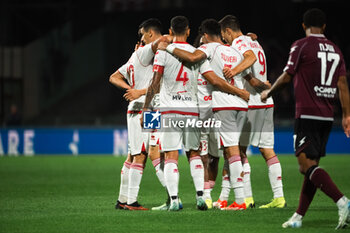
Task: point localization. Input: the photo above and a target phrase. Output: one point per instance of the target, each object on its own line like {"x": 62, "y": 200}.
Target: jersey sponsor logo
{"x": 302, "y": 141}
{"x": 207, "y": 98}
{"x": 181, "y": 97}
{"x": 202, "y": 82}
{"x": 152, "y": 120}
{"x": 327, "y": 92}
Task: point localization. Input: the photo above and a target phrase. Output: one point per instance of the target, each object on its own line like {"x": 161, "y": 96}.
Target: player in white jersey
{"x": 258, "y": 129}
{"x": 138, "y": 73}
{"x": 177, "y": 84}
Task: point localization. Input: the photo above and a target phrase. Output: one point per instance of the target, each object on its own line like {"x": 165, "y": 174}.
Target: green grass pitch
{"x": 77, "y": 194}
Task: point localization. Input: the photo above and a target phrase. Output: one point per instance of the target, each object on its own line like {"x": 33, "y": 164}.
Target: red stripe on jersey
{"x": 260, "y": 106}
{"x": 180, "y": 42}
{"x": 158, "y": 68}
{"x": 134, "y": 112}
{"x": 207, "y": 72}
{"x": 230, "y": 108}
{"x": 180, "y": 112}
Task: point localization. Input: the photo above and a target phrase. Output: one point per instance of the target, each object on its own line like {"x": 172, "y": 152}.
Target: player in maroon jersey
{"x": 317, "y": 69}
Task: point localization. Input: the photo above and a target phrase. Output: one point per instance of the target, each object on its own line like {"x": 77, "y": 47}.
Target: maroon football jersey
{"x": 315, "y": 64}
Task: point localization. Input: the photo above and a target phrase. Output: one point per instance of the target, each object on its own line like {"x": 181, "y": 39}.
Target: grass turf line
{"x": 77, "y": 194}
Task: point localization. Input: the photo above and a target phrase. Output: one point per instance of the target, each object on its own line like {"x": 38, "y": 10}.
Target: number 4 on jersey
{"x": 182, "y": 76}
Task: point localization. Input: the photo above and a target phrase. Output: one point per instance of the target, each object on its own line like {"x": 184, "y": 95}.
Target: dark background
{"x": 56, "y": 56}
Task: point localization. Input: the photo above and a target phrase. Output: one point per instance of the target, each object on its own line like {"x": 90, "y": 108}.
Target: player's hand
{"x": 132, "y": 94}
{"x": 228, "y": 73}
{"x": 252, "y": 35}
{"x": 137, "y": 46}
{"x": 245, "y": 95}
{"x": 346, "y": 126}
{"x": 163, "y": 45}
{"x": 168, "y": 38}
{"x": 264, "y": 95}
{"x": 267, "y": 83}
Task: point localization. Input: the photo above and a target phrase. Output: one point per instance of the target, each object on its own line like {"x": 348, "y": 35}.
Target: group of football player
{"x": 221, "y": 79}
{"x": 187, "y": 90}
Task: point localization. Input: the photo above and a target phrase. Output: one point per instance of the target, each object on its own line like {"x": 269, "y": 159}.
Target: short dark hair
{"x": 230, "y": 21}
{"x": 153, "y": 24}
{"x": 314, "y": 18}
{"x": 179, "y": 24}
{"x": 211, "y": 27}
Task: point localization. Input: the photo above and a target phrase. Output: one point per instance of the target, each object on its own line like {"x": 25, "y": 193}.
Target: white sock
{"x": 236, "y": 178}
{"x": 246, "y": 179}
{"x": 124, "y": 182}
{"x": 135, "y": 176}
{"x": 225, "y": 188}
{"x": 207, "y": 191}
{"x": 275, "y": 176}
{"x": 297, "y": 217}
{"x": 171, "y": 177}
{"x": 159, "y": 172}
{"x": 342, "y": 202}
{"x": 197, "y": 172}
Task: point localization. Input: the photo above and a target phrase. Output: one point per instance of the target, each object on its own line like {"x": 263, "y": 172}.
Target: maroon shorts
{"x": 311, "y": 136}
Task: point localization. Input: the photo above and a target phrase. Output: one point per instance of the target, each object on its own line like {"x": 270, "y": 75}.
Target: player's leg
{"x": 124, "y": 183}
{"x": 225, "y": 187}
{"x": 248, "y": 193}
{"x": 275, "y": 178}
{"x": 310, "y": 143}
{"x": 171, "y": 177}
{"x": 244, "y": 141}
{"x": 213, "y": 170}
{"x": 135, "y": 176}
{"x": 138, "y": 149}
{"x": 229, "y": 133}
{"x": 171, "y": 142}
{"x": 236, "y": 176}
{"x": 320, "y": 179}
{"x": 203, "y": 152}
{"x": 158, "y": 164}
{"x": 191, "y": 143}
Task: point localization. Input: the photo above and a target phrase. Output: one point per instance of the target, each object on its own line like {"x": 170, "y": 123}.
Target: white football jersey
{"x": 259, "y": 68}
{"x": 178, "y": 89}
{"x": 138, "y": 73}
{"x": 220, "y": 56}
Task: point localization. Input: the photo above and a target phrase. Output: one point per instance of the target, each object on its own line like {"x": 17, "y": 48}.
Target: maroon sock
{"x": 323, "y": 181}
{"x": 307, "y": 194}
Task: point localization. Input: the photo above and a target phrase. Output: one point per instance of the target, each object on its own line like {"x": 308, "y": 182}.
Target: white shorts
{"x": 232, "y": 122}
{"x": 137, "y": 139}
{"x": 258, "y": 130}
{"x": 173, "y": 137}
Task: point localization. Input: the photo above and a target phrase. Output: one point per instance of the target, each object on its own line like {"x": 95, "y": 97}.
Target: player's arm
{"x": 257, "y": 84}
{"x": 224, "y": 86}
{"x": 186, "y": 56}
{"x": 345, "y": 103}
{"x": 280, "y": 83}
{"x": 153, "y": 88}
{"x": 133, "y": 94}
{"x": 118, "y": 80}
{"x": 248, "y": 61}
